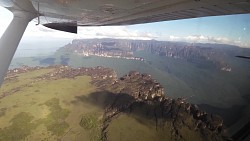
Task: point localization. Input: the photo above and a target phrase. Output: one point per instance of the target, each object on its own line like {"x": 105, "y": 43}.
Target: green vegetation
{"x": 2, "y": 111}
{"x": 91, "y": 123}
{"x": 55, "y": 121}
{"x": 21, "y": 126}
{"x": 134, "y": 127}
{"x": 126, "y": 127}
{"x": 62, "y": 109}
{"x": 52, "y": 110}
{"x": 180, "y": 77}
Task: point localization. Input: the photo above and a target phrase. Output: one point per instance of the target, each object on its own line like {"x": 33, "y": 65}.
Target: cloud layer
{"x": 208, "y": 39}
{"x": 121, "y": 32}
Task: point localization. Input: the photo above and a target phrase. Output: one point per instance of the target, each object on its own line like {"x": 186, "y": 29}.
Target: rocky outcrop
{"x": 140, "y": 95}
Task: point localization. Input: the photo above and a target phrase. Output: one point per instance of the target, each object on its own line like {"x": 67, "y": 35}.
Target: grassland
{"x": 47, "y": 109}
{"x": 126, "y": 127}
{"x": 131, "y": 126}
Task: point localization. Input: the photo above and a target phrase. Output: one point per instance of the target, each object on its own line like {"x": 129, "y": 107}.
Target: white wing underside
{"x": 125, "y": 12}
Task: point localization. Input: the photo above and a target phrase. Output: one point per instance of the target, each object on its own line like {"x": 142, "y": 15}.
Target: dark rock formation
{"x": 140, "y": 95}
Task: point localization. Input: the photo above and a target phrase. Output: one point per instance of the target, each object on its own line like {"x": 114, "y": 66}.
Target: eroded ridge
{"x": 141, "y": 97}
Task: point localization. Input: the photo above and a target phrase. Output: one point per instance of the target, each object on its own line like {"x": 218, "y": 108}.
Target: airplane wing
{"x": 66, "y": 15}
{"x": 126, "y": 12}
{"x": 58, "y": 13}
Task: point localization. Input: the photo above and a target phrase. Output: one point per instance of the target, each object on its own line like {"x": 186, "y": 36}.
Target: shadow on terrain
{"x": 64, "y": 60}
{"x": 47, "y": 61}
{"x": 105, "y": 99}
{"x": 229, "y": 115}
{"x": 153, "y": 110}
{"x": 170, "y": 116}
{"x": 147, "y": 113}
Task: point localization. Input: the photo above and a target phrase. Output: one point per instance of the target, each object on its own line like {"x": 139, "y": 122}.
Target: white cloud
{"x": 196, "y": 38}
{"x": 121, "y": 32}
{"x": 174, "y": 38}
{"x": 207, "y": 39}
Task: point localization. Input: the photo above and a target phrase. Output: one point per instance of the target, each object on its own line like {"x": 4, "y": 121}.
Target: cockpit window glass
{"x": 174, "y": 80}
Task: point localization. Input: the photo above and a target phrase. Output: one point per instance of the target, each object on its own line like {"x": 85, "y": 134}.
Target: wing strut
{"x": 13, "y": 34}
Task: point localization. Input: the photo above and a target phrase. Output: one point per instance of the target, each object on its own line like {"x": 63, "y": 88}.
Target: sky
{"x": 232, "y": 29}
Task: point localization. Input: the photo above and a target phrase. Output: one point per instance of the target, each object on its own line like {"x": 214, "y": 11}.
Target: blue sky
{"x": 232, "y": 29}
{"x": 231, "y": 26}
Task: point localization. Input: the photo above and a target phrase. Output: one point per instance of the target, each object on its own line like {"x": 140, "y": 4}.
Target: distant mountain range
{"x": 215, "y": 55}
{"x": 206, "y": 74}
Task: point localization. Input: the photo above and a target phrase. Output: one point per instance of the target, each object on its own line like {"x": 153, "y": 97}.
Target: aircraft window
{"x": 174, "y": 80}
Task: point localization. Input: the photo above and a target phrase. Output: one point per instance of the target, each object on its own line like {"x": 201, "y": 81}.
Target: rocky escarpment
{"x": 140, "y": 95}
